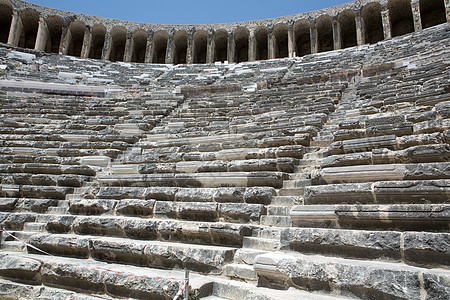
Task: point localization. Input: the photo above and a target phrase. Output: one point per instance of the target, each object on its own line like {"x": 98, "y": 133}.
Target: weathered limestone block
{"x": 21, "y": 269}
{"x": 61, "y": 245}
{"x": 118, "y": 250}
{"x": 141, "y": 229}
{"x": 432, "y": 126}
{"x": 133, "y": 207}
{"x": 240, "y": 212}
{"x": 98, "y": 161}
{"x": 53, "y": 192}
{"x": 229, "y": 195}
{"x": 359, "y": 278}
{"x": 429, "y": 249}
{"x": 419, "y": 139}
{"x": 38, "y": 205}
{"x": 15, "y": 221}
{"x": 349, "y": 134}
{"x": 59, "y": 224}
{"x": 92, "y": 207}
{"x": 8, "y": 204}
{"x": 365, "y": 173}
{"x": 344, "y": 243}
{"x": 259, "y": 195}
{"x": 103, "y": 226}
{"x": 120, "y": 193}
{"x": 198, "y": 211}
{"x": 196, "y": 195}
{"x": 360, "y": 145}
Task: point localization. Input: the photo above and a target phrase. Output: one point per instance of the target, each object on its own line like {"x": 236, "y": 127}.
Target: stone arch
{"x": 180, "y": 43}
{"x": 262, "y": 43}
{"x": 118, "y": 43}
{"x": 220, "y": 45}
{"x": 6, "y": 11}
{"x": 77, "y": 30}
{"x": 302, "y": 34}
{"x": 347, "y": 25}
{"x": 55, "y": 25}
{"x": 241, "y": 35}
{"x": 138, "y": 46}
{"x": 30, "y": 21}
{"x": 160, "y": 39}
{"x": 98, "y": 33}
{"x": 400, "y": 16}
{"x": 325, "y": 33}
{"x": 200, "y": 46}
{"x": 373, "y": 23}
{"x": 280, "y": 34}
{"x": 432, "y": 12}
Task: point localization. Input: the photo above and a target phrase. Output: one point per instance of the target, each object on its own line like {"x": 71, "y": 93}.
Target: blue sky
{"x": 189, "y": 11}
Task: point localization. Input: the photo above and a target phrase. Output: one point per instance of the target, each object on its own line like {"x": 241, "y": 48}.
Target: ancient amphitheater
{"x": 301, "y": 157}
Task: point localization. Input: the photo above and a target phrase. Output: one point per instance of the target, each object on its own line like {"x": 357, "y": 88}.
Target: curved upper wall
{"x": 355, "y": 23}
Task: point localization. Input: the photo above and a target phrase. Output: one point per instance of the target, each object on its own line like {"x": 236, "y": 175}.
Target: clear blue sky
{"x": 189, "y": 11}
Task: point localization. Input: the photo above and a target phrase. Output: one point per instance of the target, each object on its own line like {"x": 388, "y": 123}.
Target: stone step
{"x": 297, "y": 184}
{"x": 261, "y": 243}
{"x": 13, "y": 246}
{"x": 240, "y": 271}
{"x": 277, "y": 221}
{"x": 278, "y": 210}
{"x": 57, "y": 210}
{"x": 286, "y": 200}
{"x": 291, "y": 192}
{"x": 357, "y": 278}
{"x": 34, "y": 227}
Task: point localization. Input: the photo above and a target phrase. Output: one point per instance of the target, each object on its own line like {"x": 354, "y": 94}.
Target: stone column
{"x": 42, "y": 36}
{"x": 210, "y": 47}
{"x": 252, "y": 46}
{"x": 87, "y": 43}
{"x": 447, "y": 9}
{"x": 66, "y": 43}
{"x": 231, "y": 47}
{"x": 169, "y": 49}
{"x": 149, "y": 47}
{"x": 336, "y": 34}
{"x": 360, "y": 30}
{"x": 271, "y": 42}
{"x": 190, "y": 46}
{"x": 62, "y": 41}
{"x": 291, "y": 38}
{"x": 415, "y": 7}
{"x": 313, "y": 35}
{"x": 128, "y": 47}
{"x": 107, "y": 46}
{"x": 16, "y": 29}
{"x": 386, "y": 22}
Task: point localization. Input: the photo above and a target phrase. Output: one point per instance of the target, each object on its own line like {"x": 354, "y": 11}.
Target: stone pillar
{"x": 66, "y": 42}
{"x": 210, "y": 47}
{"x": 128, "y": 47}
{"x": 190, "y": 46}
{"x": 231, "y": 47}
{"x": 252, "y": 46}
{"x": 87, "y": 43}
{"x": 149, "y": 47}
{"x": 16, "y": 29}
{"x": 336, "y": 34}
{"x": 314, "y": 39}
{"x": 271, "y": 42}
{"x": 415, "y": 7}
{"x": 107, "y": 46}
{"x": 447, "y": 9}
{"x": 360, "y": 30}
{"x": 42, "y": 36}
{"x": 169, "y": 49}
{"x": 291, "y": 38}
{"x": 386, "y": 22}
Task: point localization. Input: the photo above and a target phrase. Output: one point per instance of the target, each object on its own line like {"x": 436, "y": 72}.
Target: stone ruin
{"x": 301, "y": 157}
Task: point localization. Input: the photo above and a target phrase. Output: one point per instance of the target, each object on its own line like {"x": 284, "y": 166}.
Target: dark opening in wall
{"x": 280, "y": 33}
{"x": 159, "y": 47}
{"x": 118, "y": 42}
{"x": 325, "y": 33}
{"x": 261, "y": 40}
{"x": 54, "y": 25}
{"x": 98, "y": 41}
{"x": 302, "y": 34}
{"x": 200, "y": 46}
{"x": 77, "y": 30}
{"x": 373, "y": 23}
{"x": 180, "y": 47}
{"x": 139, "y": 46}
{"x": 401, "y": 18}
{"x": 347, "y": 24}
{"x": 6, "y": 12}
{"x": 30, "y": 21}
{"x": 220, "y": 45}
{"x": 241, "y": 44}
{"x": 432, "y": 12}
